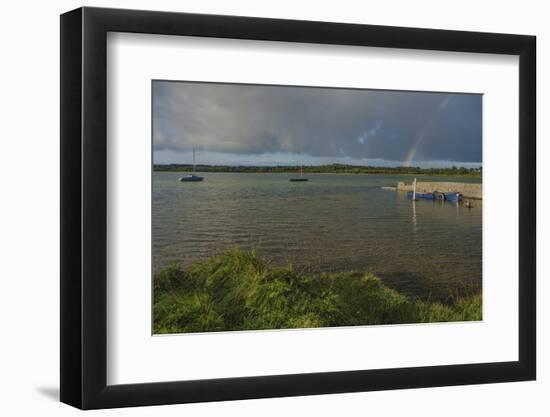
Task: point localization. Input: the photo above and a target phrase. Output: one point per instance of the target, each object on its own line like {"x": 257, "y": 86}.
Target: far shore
{"x": 324, "y": 169}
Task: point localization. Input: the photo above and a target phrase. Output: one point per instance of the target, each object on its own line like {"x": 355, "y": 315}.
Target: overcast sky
{"x": 275, "y": 125}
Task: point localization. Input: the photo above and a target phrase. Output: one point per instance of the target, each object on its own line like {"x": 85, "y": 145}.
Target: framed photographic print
{"x": 258, "y": 207}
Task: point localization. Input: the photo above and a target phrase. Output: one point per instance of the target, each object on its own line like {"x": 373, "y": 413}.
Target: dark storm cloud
{"x": 360, "y": 124}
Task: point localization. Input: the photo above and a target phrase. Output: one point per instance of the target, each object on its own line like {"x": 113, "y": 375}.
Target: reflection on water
{"x": 331, "y": 223}
{"x": 414, "y": 217}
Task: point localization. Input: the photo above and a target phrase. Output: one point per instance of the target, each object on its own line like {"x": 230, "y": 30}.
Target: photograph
{"x": 286, "y": 207}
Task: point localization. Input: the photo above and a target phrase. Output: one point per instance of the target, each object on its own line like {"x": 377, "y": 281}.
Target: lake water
{"x": 340, "y": 222}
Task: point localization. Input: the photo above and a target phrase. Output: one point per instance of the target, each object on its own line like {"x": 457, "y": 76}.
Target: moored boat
{"x": 417, "y": 195}
{"x": 301, "y": 178}
{"x": 191, "y": 177}
{"x": 450, "y": 196}
{"x": 453, "y": 196}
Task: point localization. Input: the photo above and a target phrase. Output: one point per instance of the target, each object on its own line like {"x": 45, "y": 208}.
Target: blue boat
{"x": 456, "y": 197}
{"x": 437, "y": 195}
{"x": 425, "y": 196}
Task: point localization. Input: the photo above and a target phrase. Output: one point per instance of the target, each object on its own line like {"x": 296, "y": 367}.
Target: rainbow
{"x": 409, "y": 157}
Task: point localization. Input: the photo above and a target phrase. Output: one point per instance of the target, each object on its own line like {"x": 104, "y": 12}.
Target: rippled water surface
{"x": 331, "y": 223}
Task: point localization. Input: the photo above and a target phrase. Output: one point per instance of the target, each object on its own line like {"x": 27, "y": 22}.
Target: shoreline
{"x": 324, "y": 169}
{"x": 421, "y": 174}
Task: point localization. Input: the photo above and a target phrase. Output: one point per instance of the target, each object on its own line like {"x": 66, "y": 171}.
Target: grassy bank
{"x": 237, "y": 291}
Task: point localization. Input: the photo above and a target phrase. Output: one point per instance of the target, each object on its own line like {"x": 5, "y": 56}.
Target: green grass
{"x": 237, "y": 291}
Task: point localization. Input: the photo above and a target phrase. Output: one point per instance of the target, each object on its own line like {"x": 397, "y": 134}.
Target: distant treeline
{"x": 323, "y": 169}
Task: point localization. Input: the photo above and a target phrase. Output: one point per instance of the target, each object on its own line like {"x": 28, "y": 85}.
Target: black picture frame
{"x": 84, "y": 207}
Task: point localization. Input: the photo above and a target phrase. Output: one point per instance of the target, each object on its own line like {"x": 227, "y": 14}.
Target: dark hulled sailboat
{"x": 301, "y": 178}
{"x": 191, "y": 177}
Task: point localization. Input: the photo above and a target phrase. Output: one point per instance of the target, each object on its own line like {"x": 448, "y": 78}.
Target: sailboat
{"x": 191, "y": 177}
{"x": 301, "y": 178}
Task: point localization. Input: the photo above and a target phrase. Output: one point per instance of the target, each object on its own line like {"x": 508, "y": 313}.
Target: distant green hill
{"x": 324, "y": 169}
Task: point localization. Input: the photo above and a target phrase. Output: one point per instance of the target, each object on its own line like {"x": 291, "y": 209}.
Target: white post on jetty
{"x": 414, "y": 190}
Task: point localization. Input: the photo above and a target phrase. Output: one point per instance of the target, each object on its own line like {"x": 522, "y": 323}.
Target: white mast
{"x": 414, "y": 190}
{"x": 193, "y": 159}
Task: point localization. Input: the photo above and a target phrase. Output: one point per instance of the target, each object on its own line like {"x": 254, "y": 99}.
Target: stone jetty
{"x": 468, "y": 190}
